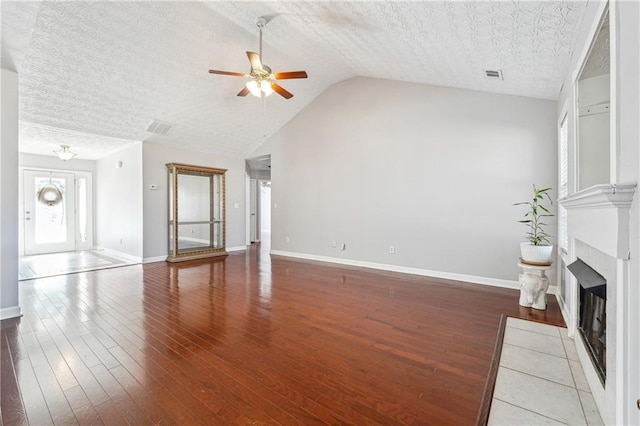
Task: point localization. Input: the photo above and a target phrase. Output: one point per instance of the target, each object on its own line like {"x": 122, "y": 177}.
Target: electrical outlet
{"x": 343, "y": 246}
{"x": 286, "y": 240}
{"x": 392, "y": 250}
{"x": 334, "y": 244}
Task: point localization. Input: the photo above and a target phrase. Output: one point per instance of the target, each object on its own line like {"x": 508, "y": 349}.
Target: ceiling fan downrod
{"x": 260, "y": 23}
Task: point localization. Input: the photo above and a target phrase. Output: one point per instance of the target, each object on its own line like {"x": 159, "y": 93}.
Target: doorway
{"x": 265, "y": 215}
{"x": 258, "y": 172}
{"x": 56, "y": 211}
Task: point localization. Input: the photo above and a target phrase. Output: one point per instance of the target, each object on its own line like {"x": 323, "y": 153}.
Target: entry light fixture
{"x": 64, "y": 153}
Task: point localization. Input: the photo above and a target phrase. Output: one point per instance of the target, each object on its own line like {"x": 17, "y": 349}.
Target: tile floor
{"x": 48, "y": 265}
{"x": 540, "y": 379}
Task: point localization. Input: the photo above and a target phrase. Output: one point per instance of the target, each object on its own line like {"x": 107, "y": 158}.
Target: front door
{"x": 49, "y": 212}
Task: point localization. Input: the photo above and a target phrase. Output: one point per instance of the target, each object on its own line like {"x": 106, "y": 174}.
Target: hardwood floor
{"x": 251, "y": 340}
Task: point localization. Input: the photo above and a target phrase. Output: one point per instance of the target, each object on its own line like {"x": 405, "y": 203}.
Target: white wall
{"x": 156, "y": 208}
{"x": 433, "y": 171}
{"x": 118, "y": 199}
{"x": 49, "y": 162}
{"x": 9, "y": 292}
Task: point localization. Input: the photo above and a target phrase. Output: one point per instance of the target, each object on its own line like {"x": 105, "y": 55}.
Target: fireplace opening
{"x": 592, "y": 321}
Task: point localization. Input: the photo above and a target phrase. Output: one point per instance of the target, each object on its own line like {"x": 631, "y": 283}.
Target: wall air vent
{"x": 159, "y": 128}
{"x": 493, "y": 74}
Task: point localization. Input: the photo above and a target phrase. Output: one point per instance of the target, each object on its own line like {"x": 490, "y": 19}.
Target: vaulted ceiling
{"x": 95, "y": 74}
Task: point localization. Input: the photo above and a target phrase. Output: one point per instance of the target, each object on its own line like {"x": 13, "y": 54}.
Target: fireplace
{"x": 592, "y": 319}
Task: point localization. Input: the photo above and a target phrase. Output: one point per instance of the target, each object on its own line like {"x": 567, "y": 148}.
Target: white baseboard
{"x": 12, "y": 312}
{"x": 405, "y": 270}
{"x": 154, "y": 259}
{"x": 116, "y": 253}
{"x": 238, "y": 248}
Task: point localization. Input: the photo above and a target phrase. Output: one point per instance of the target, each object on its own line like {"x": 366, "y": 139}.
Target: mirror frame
{"x": 173, "y": 171}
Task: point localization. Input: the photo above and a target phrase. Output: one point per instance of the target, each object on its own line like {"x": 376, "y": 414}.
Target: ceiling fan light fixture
{"x": 252, "y": 85}
{"x": 262, "y": 82}
{"x": 265, "y": 86}
{"x": 64, "y": 153}
{"x": 259, "y": 89}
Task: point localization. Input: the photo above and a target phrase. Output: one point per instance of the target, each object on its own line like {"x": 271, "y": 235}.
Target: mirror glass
{"x": 593, "y": 143}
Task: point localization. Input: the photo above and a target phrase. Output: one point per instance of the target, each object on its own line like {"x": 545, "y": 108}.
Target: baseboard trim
{"x": 126, "y": 256}
{"x": 154, "y": 259}
{"x": 238, "y": 248}
{"x": 11, "y": 312}
{"x": 404, "y": 269}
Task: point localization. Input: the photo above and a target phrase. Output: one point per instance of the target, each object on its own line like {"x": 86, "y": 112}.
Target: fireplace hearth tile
{"x": 541, "y": 396}
{"x": 564, "y": 334}
{"x": 507, "y": 414}
{"x": 570, "y": 348}
{"x": 534, "y": 386}
{"x": 534, "y": 341}
{"x": 545, "y": 366}
{"x": 578, "y": 376}
{"x": 535, "y": 327}
{"x": 590, "y": 409}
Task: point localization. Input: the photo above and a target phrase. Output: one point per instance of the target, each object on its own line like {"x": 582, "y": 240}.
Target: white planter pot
{"x": 536, "y": 254}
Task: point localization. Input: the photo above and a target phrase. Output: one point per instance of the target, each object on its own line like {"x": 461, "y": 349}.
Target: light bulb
{"x": 252, "y": 85}
{"x": 266, "y": 87}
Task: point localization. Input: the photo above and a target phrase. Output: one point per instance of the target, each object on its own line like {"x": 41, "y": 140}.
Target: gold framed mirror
{"x": 197, "y": 222}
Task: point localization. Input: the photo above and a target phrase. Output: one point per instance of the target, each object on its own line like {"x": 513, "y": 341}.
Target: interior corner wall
{"x": 118, "y": 199}
{"x": 156, "y": 202}
{"x": 432, "y": 171}
{"x": 9, "y": 288}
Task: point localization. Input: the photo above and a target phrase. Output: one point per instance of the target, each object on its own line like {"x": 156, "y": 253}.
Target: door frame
{"x": 88, "y": 175}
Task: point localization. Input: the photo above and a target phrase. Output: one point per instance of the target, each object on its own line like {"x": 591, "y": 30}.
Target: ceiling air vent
{"x": 159, "y": 128}
{"x": 493, "y": 74}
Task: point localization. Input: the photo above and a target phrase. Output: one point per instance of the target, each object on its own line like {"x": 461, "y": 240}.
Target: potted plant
{"x": 537, "y": 250}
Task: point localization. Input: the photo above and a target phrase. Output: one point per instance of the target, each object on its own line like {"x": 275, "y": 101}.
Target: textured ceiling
{"x": 105, "y": 70}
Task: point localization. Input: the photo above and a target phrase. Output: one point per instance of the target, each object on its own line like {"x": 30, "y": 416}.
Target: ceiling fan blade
{"x": 290, "y": 74}
{"x": 234, "y": 74}
{"x": 256, "y": 63}
{"x": 243, "y": 92}
{"x": 281, "y": 91}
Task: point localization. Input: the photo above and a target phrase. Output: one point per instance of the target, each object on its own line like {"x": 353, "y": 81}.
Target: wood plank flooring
{"x": 251, "y": 340}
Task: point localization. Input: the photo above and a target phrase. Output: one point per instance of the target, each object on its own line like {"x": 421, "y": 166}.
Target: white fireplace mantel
{"x": 599, "y": 216}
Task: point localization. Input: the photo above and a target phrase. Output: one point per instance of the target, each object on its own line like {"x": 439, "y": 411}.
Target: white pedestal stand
{"x": 533, "y": 285}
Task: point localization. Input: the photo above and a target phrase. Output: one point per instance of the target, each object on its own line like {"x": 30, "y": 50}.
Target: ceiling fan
{"x": 262, "y": 78}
